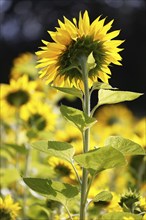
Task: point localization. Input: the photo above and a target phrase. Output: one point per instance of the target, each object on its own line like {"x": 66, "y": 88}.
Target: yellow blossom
{"x": 59, "y": 62}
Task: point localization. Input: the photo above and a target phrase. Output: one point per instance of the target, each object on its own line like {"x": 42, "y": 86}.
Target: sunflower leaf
{"x": 112, "y": 97}
{"x": 100, "y": 85}
{"x": 101, "y": 159}
{"x": 53, "y": 190}
{"x": 81, "y": 120}
{"x": 71, "y": 91}
{"x": 103, "y": 196}
{"x": 58, "y": 149}
{"x": 125, "y": 146}
{"x": 121, "y": 215}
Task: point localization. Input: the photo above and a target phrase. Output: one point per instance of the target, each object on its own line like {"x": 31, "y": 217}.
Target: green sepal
{"x": 58, "y": 149}
{"x": 53, "y": 190}
{"x": 70, "y": 91}
{"x": 101, "y": 159}
{"x": 91, "y": 64}
{"x": 81, "y": 120}
{"x": 125, "y": 146}
{"x": 120, "y": 216}
{"x": 112, "y": 97}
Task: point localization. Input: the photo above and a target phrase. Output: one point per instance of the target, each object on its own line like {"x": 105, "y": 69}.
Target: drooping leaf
{"x": 120, "y": 216}
{"x": 81, "y": 120}
{"x": 100, "y": 85}
{"x": 58, "y": 149}
{"x": 126, "y": 146}
{"x": 54, "y": 190}
{"x": 112, "y": 97}
{"x": 103, "y": 196}
{"x": 70, "y": 91}
{"x": 101, "y": 159}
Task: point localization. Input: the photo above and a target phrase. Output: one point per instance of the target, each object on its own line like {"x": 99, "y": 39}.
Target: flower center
{"x": 5, "y": 215}
{"x": 62, "y": 170}
{"x": 113, "y": 120}
{"x": 18, "y": 98}
{"x": 69, "y": 64}
{"x": 37, "y": 121}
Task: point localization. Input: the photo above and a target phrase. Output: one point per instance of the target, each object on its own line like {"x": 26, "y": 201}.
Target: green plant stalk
{"x": 26, "y": 174}
{"x": 86, "y": 136}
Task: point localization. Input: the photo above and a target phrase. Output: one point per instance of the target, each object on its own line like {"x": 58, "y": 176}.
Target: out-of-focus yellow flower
{"x": 18, "y": 93}
{"x": 59, "y": 60}
{"x": 24, "y": 64}
{"x": 128, "y": 218}
{"x": 113, "y": 120}
{"x": 140, "y": 132}
{"x": 9, "y": 210}
{"x": 64, "y": 169}
{"x": 70, "y": 134}
{"x": 39, "y": 116}
{"x": 142, "y": 202}
{"x": 115, "y": 116}
{"x": 114, "y": 204}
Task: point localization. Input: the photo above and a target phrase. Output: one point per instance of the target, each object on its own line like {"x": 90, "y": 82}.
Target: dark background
{"x": 25, "y": 23}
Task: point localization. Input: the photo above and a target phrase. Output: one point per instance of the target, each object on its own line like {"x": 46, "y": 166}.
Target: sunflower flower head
{"x": 59, "y": 61}
{"x": 8, "y": 209}
{"x": 24, "y": 64}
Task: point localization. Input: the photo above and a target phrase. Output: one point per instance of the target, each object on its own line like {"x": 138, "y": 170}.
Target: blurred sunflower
{"x": 39, "y": 116}
{"x": 16, "y": 94}
{"x": 8, "y": 209}
{"x": 70, "y": 134}
{"x": 115, "y": 120}
{"x": 140, "y": 132}
{"x": 63, "y": 169}
{"x": 59, "y": 61}
{"x": 24, "y": 64}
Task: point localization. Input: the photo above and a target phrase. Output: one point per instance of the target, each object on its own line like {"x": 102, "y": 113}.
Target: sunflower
{"x": 24, "y": 64}
{"x": 8, "y": 209}
{"x": 59, "y": 61}
{"x": 16, "y": 94}
{"x": 39, "y": 116}
{"x": 63, "y": 169}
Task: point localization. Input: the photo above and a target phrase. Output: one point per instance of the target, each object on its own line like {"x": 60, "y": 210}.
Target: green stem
{"x": 26, "y": 173}
{"x": 94, "y": 109}
{"x": 86, "y": 136}
{"x": 89, "y": 186}
{"x": 70, "y": 217}
{"x": 77, "y": 175}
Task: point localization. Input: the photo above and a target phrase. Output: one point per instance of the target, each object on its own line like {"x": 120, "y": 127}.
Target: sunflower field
{"x": 59, "y": 162}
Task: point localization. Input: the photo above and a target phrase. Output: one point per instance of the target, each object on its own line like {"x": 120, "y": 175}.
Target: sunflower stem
{"x": 76, "y": 172}
{"x": 86, "y": 136}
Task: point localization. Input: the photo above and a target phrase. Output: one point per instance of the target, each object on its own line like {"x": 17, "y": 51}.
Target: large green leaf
{"x": 103, "y": 196}
{"x": 70, "y": 91}
{"x": 58, "y": 149}
{"x": 54, "y": 190}
{"x": 126, "y": 146}
{"x": 79, "y": 118}
{"x": 120, "y": 216}
{"x": 111, "y": 97}
{"x": 101, "y": 159}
